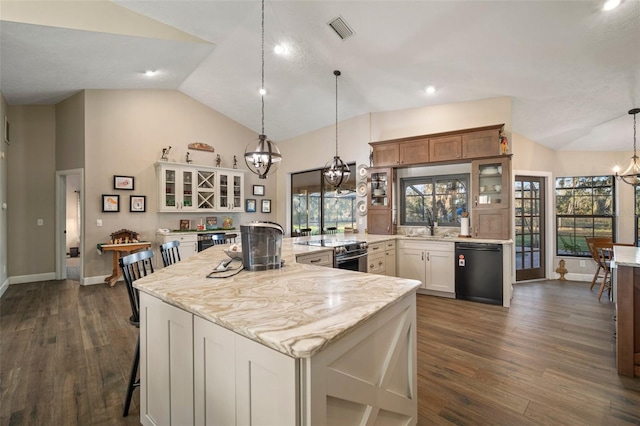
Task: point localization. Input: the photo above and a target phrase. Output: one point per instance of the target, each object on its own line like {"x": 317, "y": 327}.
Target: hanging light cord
{"x": 337, "y": 73}
{"x": 262, "y": 86}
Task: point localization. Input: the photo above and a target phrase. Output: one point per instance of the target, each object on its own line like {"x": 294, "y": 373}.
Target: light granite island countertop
{"x": 297, "y": 344}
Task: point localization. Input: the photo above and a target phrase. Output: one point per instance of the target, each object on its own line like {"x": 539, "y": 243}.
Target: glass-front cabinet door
{"x": 176, "y": 189}
{"x": 380, "y": 187}
{"x": 230, "y": 191}
{"x": 491, "y": 183}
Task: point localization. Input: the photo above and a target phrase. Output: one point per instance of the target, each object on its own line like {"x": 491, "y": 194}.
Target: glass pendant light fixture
{"x": 263, "y": 157}
{"x": 632, "y": 174}
{"x": 336, "y": 172}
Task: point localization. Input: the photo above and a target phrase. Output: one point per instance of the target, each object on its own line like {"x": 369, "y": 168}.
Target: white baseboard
{"x": 574, "y": 277}
{"x": 22, "y": 279}
{"x": 4, "y": 287}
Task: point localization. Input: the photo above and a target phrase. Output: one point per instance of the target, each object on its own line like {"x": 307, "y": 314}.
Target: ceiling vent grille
{"x": 341, "y": 28}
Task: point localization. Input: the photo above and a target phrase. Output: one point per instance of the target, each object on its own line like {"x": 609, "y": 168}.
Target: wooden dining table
{"x": 118, "y": 251}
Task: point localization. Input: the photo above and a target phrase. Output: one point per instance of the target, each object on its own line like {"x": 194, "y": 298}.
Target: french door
{"x": 529, "y": 227}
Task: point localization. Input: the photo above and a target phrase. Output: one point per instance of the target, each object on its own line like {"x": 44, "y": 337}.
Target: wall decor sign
{"x": 258, "y": 189}
{"x": 266, "y": 206}
{"x": 137, "y": 203}
{"x": 110, "y": 203}
{"x": 6, "y": 130}
{"x": 250, "y": 205}
{"x": 123, "y": 182}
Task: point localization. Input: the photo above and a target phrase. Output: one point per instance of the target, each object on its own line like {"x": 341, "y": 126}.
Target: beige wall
{"x": 4, "y": 159}
{"x": 31, "y": 194}
{"x": 124, "y": 135}
{"x": 70, "y": 133}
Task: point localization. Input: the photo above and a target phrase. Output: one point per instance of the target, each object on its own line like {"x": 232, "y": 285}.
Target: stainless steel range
{"x": 347, "y": 254}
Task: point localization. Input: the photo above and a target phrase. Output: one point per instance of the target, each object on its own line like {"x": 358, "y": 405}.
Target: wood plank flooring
{"x": 66, "y": 350}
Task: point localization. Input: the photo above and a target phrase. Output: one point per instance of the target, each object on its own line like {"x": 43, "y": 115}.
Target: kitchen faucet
{"x": 430, "y": 223}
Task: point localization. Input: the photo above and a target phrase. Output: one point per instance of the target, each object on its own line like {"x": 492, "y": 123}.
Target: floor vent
{"x": 341, "y": 28}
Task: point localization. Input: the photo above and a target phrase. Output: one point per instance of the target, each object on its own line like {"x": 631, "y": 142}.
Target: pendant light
{"x": 336, "y": 172}
{"x": 264, "y": 157}
{"x": 632, "y": 174}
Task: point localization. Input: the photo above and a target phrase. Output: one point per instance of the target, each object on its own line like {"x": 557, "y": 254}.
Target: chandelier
{"x": 336, "y": 172}
{"x": 632, "y": 174}
{"x": 264, "y": 157}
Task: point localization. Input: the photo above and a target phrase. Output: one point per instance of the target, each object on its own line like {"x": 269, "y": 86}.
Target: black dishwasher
{"x": 479, "y": 272}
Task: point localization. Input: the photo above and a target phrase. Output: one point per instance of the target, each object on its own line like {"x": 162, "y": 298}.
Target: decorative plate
{"x": 362, "y": 171}
{"x": 362, "y": 208}
{"x": 362, "y": 189}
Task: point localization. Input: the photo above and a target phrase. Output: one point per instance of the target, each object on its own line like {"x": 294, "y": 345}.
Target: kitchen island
{"x": 298, "y": 345}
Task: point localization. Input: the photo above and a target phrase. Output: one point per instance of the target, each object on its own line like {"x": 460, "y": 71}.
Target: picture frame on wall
{"x": 258, "y": 189}
{"x": 123, "y": 182}
{"x": 138, "y": 203}
{"x": 266, "y": 206}
{"x": 110, "y": 203}
{"x": 250, "y": 205}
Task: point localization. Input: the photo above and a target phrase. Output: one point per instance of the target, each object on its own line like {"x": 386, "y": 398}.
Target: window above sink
{"x": 427, "y": 200}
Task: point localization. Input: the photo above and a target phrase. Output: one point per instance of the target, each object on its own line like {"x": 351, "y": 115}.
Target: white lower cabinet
{"x": 188, "y": 244}
{"x": 381, "y": 258}
{"x": 166, "y": 363}
{"x": 430, "y": 262}
{"x": 323, "y": 258}
{"x": 238, "y": 381}
{"x": 196, "y": 372}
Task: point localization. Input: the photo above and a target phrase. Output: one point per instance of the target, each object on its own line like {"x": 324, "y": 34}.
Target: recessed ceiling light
{"x": 611, "y": 4}
{"x": 262, "y": 91}
{"x": 280, "y": 49}
{"x": 150, "y": 73}
{"x": 430, "y": 90}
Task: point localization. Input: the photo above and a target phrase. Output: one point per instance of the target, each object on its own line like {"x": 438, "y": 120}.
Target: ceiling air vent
{"x": 341, "y": 28}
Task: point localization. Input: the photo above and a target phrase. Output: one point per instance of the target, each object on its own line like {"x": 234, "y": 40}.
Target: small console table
{"x": 118, "y": 251}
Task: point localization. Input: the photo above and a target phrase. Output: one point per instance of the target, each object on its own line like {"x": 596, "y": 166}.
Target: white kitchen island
{"x": 300, "y": 345}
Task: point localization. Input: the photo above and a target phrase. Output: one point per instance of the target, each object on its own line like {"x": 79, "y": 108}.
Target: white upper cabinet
{"x": 187, "y": 187}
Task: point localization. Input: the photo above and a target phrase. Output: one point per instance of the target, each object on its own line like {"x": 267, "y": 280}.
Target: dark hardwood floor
{"x": 66, "y": 350}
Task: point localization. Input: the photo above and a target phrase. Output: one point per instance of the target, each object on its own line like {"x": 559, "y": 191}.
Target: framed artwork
{"x": 110, "y": 203}
{"x": 6, "y": 130}
{"x": 266, "y": 206}
{"x": 137, "y": 203}
{"x": 212, "y": 221}
{"x": 185, "y": 224}
{"x": 250, "y": 205}
{"x": 258, "y": 189}
{"x": 123, "y": 182}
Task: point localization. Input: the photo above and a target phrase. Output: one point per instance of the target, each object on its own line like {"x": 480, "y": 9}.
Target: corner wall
{"x": 4, "y": 159}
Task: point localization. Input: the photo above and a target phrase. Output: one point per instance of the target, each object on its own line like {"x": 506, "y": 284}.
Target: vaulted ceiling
{"x": 572, "y": 70}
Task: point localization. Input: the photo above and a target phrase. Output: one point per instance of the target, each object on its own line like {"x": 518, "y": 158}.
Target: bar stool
{"x": 134, "y": 266}
{"x": 305, "y": 232}
{"x": 331, "y": 230}
{"x": 170, "y": 252}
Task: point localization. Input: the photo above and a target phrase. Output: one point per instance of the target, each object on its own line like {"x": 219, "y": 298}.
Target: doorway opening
{"x": 69, "y": 224}
{"x": 530, "y": 227}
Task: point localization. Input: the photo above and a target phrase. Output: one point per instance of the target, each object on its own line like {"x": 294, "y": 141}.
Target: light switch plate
{"x": 99, "y": 222}
{"x": 40, "y": 222}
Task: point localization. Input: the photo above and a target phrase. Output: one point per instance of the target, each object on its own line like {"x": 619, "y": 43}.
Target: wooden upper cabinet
{"x": 454, "y": 146}
{"x": 445, "y": 148}
{"x": 387, "y": 154}
{"x": 414, "y": 152}
{"x": 485, "y": 143}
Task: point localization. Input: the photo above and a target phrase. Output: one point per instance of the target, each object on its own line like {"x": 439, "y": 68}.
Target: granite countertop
{"x": 296, "y": 310}
{"x": 626, "y": 256}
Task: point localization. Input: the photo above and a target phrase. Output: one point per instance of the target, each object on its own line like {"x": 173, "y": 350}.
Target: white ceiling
{"x": 572, "y": 70}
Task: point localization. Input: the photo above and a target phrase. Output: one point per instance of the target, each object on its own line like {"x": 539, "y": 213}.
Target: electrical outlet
{"x": 40, "y": 222}
{"x": 99, "y": 222}
{"x": 582, "y": 264}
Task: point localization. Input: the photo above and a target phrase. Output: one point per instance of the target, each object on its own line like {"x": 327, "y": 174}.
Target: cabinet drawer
{"x": 324, "y": 258}
{"x": 375, "y": 248}
{"x": 376, "y": 264}
{"x": 390, "y": 245}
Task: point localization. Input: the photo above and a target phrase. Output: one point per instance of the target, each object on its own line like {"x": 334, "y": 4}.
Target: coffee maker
{"x": 262, "y": 245}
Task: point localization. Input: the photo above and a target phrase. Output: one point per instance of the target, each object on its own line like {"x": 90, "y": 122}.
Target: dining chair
{"x": 135, "y": 266}
{"x": 218, "y": 239}
{"x": 170, "y": 252}
{"x": 594, "y": 255}
{"x": 604, "y": 253}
